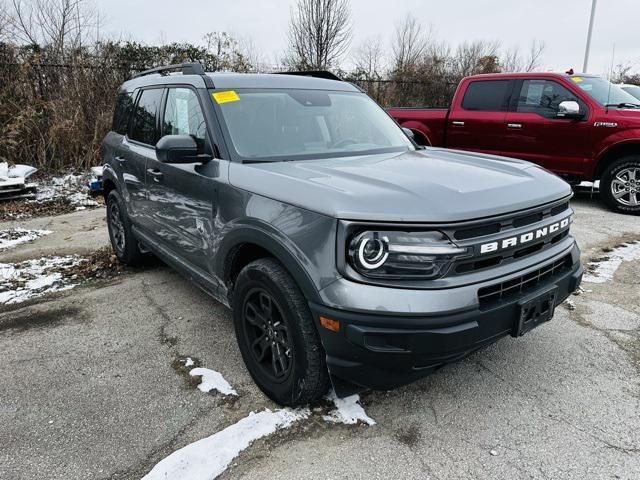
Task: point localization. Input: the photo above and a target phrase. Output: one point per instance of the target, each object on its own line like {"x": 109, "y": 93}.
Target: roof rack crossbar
{"x": 193, "y": 68}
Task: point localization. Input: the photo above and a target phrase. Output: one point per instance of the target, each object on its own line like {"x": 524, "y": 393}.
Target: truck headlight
{"x": 395, "y": 254}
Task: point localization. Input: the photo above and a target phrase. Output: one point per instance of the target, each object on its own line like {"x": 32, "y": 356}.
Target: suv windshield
{"x": 274, "y": 125}
{"x": 604, "y": 92}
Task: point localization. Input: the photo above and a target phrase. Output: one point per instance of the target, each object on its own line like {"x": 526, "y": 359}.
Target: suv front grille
{"x": 493, "y": 294}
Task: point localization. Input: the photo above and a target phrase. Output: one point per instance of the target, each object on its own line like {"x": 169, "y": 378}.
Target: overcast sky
{"x": 561, "y": 24}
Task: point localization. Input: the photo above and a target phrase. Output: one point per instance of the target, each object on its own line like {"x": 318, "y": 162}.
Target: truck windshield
{"x": 604, "y": 92}
{"x": 273, "y": 125}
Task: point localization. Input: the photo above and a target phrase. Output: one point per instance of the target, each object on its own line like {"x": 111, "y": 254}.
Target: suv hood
{"x": 432, "y": 185}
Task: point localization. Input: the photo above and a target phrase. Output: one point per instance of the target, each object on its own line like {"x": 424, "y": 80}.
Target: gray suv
{"x": 348, "y": 254}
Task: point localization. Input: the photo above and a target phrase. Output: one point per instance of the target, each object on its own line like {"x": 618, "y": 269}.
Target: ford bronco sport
{"x": 347, "y": 253}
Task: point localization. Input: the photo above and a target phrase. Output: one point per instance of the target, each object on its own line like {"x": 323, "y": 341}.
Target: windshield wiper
{"x": 623, "y": 105}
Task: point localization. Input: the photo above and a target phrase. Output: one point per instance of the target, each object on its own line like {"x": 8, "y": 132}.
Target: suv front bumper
{"x": 383, "y": 351}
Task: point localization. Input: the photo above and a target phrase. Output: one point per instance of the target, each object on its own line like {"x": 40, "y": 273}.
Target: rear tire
{"x": 124, "y": 243}
{"x": 277, "y": 336}
{"x": 620, "y": 185}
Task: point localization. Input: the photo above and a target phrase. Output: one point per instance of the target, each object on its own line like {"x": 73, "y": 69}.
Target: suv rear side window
{"x": 124, "y": 107}
{"x": 486, "y": 95}
{"x": 143, "y": 123}
{"x": 543, "y": 97}
{"x": 183, "y": 115}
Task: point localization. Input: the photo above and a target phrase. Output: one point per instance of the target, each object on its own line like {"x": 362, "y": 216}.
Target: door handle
{"x": 514, "y": 125}
{"x": 120, "y": 159}
{"x": 458, "y": 123}
{"x": 155, "y": 173}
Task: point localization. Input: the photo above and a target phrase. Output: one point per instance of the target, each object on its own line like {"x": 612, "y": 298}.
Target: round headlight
{"x": 372, "y": 251}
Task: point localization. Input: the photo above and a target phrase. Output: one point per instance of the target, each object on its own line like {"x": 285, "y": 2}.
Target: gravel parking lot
{"x": 94, "y": 383}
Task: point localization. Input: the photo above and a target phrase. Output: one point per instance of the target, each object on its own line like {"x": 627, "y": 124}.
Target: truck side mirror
{"x": 179, "y": 149}
{"x": 569, "y": 109}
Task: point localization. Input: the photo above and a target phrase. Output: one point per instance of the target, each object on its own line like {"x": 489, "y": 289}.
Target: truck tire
{"x": 277, "y": 336}
{"x": 124, "y": 243}
{"x": 620, "y": 185}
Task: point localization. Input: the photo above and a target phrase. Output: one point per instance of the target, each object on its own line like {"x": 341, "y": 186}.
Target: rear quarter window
{"x": 143, "y": 122}
{"x": 486, "y": 95}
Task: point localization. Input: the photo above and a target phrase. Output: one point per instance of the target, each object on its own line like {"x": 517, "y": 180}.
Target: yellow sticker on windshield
{"x": 577, "y": 79}
{"x": 225, "y": 97}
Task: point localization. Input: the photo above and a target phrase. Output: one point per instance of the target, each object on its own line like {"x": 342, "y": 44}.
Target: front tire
{"x": 124, "y": 243}
{"x": 277, "y": 336}
{"x": 620, "y": 185}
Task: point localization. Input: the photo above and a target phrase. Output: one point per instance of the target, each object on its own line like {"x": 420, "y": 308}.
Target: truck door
{"x": 182, "y": 197}
{"x": 476, "y": 121}
{"x": 534, "y": 132}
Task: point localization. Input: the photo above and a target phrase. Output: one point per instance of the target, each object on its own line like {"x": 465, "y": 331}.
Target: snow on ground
{"x": 208, "y": 458}
{"x": 189, "y": 362}
{"x": 348, "y": 411}
{"x": 34, "y": 278}
{"x": 15, "y": 236}
{"x": 72, "y": 187}
{"x": 211, "y": 380}
{"x": 603, "y": 271}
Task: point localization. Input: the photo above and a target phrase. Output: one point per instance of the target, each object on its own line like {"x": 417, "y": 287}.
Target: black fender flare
{"x": 278, "y": 245}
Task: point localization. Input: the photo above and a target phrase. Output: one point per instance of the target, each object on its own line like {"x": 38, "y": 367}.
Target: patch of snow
{"x": 493, "y": 453}
{"x": 189, "y": 362}
{"x": 212, "y": 380}
{"x": 603, "y": 271}
{"x": 570, "y": 304}
{"x": 33, "y": 278}
{"x": 208, "y": 458}
{"x": 72, "y": 187}
{"x": 15, "y": 236}
{"x": 348, "y": 411}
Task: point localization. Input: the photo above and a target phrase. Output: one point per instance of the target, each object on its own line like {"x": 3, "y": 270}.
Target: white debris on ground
{"x": 71, "y": 187}
{"x": 16, "y": 236}
{"x": 603, "y": 271}
{"x": 570, "y": 304}
{"x": 348, "y": 411}
{"x": 189, "y": 362}
{"x": 34, "y": 278}
{"x": 208, "y": 458}
{"x": 211, "y": 380}
{"x": 13, "y": 181}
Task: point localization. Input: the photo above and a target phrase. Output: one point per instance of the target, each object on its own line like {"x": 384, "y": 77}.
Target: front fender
{"x": 421, "y": 128}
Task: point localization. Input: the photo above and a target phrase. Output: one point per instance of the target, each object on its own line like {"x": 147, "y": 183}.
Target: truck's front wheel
{"x": 620, "y": 185}
{"x": 277, "y": 336}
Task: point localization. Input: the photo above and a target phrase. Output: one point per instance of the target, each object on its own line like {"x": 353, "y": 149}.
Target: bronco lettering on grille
{"x": 523, "y": 238}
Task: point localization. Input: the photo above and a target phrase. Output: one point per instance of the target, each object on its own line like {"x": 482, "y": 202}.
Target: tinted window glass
{"x": 124, "y": 106}
{"x": 183, "y": 115}
{"x": 485, "y": 96}
{"x": 543, "y": 97}
{"x": 143, "y": 124}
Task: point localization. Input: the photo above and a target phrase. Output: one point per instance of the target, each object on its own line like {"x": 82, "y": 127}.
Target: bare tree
{"x": 319, "y": 33}
{"x": 368, "y": 58}
{"x": 479, "y": 56}
{"x": 409, "y": 43}
{"x": 512, "y": 61}
{"x": 59, "y": 25}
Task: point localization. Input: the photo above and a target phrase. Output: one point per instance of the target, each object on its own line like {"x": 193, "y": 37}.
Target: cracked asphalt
{"x": 91, "y": 384}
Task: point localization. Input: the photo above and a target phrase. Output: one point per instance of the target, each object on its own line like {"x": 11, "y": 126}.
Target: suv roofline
{"x": 194, "y": 74}
{"x": 531, "y": 74}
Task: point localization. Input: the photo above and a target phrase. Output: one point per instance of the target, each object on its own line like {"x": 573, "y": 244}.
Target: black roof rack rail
{"x": 313, "y": 73}
{"x": 194, "y": 68}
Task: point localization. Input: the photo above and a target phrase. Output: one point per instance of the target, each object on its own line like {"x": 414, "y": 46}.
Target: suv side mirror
{"x": 569, "y": 109}
{"x": 179, "y": 149}
{"x": 409, "y": 133}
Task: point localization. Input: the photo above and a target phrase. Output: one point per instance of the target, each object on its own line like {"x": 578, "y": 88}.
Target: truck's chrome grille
{"x": 493, "y": 294}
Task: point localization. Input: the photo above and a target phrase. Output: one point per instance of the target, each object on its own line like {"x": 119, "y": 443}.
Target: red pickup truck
{"x": 581, "y": 127}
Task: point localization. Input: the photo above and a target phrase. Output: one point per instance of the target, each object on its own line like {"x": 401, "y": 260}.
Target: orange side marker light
{"x": 329, "y": 324}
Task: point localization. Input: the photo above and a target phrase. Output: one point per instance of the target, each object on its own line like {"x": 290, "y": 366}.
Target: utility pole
{"x": 587, "y": 50}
